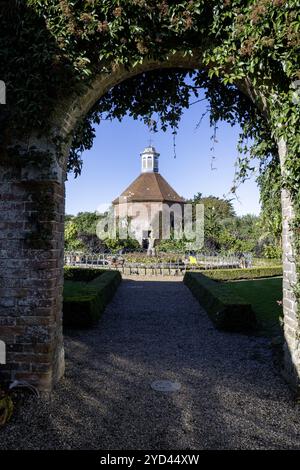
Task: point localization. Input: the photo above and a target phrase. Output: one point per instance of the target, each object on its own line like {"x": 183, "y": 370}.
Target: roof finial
{"x": 150, "y": 140}
{"x": 151, "y": 124}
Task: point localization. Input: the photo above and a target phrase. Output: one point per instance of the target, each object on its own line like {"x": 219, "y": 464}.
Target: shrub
{"x": 259, "y": 262}
{"x": 272, "y": 252}
{"x": 73, "y": 273}
{"x": 226, "y": 309}
{"x": 85, "y": 302}
{"x": 242, "y": 273}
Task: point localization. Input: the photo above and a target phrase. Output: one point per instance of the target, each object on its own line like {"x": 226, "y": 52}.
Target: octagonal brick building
{"x": 149, "y": 201}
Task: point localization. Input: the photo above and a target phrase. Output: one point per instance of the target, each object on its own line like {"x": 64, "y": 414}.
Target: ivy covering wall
{"x": 250, "y": 70}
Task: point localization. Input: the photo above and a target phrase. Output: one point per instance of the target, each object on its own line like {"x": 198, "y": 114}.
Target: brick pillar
{"x": 31, "y": 273}
{"x": 290, "y": 307}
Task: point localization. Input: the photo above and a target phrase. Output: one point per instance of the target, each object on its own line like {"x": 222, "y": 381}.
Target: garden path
{"x": 231, "y": 397}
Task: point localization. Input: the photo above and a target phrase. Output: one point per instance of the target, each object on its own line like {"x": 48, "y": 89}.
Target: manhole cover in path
{"x": 165, "y": 386}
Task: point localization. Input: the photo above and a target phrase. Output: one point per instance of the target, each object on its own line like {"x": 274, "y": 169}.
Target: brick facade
{"x": 291, "y": 319}
{"x": 31, "y": 276}
{"x": 290, "y": 308}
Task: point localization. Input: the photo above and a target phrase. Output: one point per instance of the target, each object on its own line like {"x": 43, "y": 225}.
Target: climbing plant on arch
{"x": 68, "y": 63}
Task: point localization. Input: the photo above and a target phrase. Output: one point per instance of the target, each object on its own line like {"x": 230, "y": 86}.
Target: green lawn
{"x": 263, "y": 295}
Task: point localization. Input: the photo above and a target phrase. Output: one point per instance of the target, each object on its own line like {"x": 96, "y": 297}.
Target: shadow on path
{"x": 230, "y": 398}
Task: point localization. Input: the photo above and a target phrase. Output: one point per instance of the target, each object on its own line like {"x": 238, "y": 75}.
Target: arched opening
{"x": 33, "y": 201}
{"x": 74, "y": 114}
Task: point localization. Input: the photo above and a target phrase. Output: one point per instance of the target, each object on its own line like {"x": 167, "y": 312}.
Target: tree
{"x": 173, "y": 244}
{"x": 269, "y": 182}
{"x": 80, "y": 232}
{"x": 72, "y": 242}
{"x": 254, "y": 45}
{"x": 222, "y": 208}
{"x": 216, "y": 210}
{"x": 91, "y": 243}
{"x": 86, "y": 222}
{"x": 117, "y": 244}
{"x": 247, "y": 62}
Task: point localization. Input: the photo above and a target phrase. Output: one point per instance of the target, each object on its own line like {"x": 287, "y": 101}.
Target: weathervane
{"x": 150, "y": 140}
{"x": 151, "y": 131}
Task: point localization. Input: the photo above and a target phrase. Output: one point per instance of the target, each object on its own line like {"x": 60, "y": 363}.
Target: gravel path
{"x": 230, "y": 398}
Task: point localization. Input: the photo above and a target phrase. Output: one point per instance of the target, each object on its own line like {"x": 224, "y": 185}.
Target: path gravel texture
{"x": 231, "y": 397}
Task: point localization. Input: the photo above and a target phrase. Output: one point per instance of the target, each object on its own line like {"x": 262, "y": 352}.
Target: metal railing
{"x": 174, "y": 263}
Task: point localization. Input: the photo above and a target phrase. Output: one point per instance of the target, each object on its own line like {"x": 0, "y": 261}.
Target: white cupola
{"x": 149, "y": 159}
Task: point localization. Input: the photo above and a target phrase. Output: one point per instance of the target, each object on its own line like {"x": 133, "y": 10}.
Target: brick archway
{"x": 32, "y": 238}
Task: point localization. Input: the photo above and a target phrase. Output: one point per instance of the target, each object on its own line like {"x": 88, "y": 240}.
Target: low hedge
{"x": 74, "y": 273}
{"x": 84, "y": 302}
{"x": 227, "y": 310}
{"x": 242, "y": 273}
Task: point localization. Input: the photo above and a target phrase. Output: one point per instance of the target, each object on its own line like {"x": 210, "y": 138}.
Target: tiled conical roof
{"x": 149, "y": 187}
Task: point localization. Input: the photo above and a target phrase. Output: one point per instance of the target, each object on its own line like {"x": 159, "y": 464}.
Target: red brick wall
{"x": 31, "y": 277}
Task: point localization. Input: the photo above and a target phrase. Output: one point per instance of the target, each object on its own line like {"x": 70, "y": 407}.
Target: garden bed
{"x": 86, "y": 294}
{"x": 243, "y": 273}
{"x": 226, "y": 308}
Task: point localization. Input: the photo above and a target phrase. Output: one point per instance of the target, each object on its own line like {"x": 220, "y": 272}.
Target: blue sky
{"x": 114, "y": 162}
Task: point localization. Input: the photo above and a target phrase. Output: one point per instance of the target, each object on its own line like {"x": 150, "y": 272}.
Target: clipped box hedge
{"x": 242, "y": 273}
{"x": 227, "y": 310}
{"x": 74, "y": 273}
{"x": 84, "y": 302}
